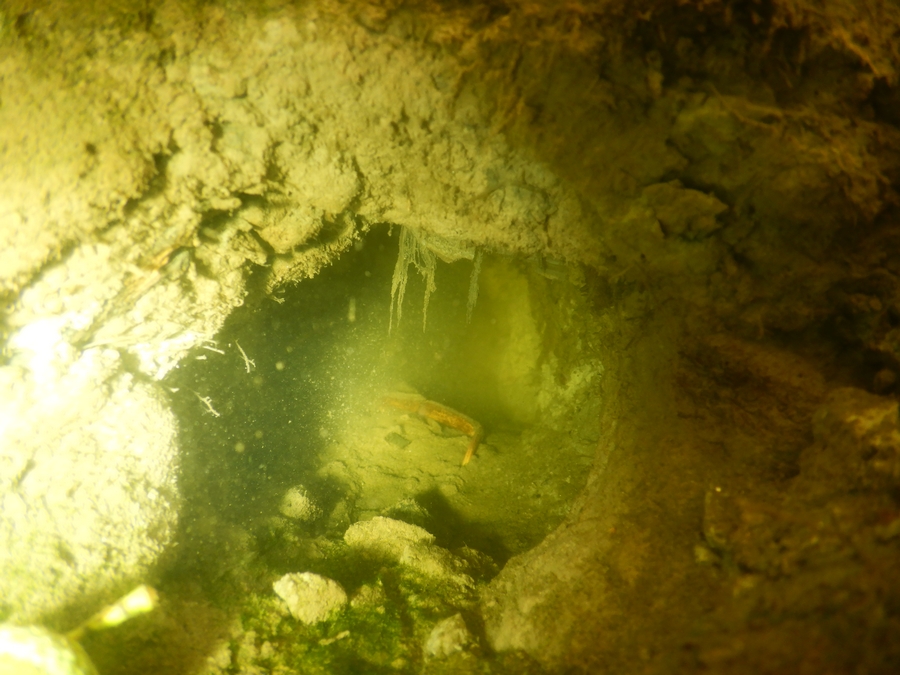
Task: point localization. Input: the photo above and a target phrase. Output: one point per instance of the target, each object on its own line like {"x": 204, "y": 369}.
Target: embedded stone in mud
{"x": 310, "y": 598}
{"x": 407, "y": 545}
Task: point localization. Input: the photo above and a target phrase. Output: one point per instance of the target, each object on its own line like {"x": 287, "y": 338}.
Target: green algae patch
{"x": 361, "y": 639}
{"x": 382, "y": 629}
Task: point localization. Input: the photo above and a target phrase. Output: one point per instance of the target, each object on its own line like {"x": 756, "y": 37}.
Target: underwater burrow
{"x": 292, "y": 395}
{"x": 291, "y": 432}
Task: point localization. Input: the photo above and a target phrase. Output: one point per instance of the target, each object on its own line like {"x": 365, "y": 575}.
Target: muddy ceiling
{"x": 722, "y": 175}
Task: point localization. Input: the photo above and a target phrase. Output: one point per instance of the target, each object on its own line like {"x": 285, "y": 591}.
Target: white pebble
{"x": 310, "y": 598}
{"x": 447, "y": 637}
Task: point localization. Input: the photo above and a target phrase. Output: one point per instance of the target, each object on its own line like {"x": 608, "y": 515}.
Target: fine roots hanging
{"x": 425, "y": 262}
{"x": 423, "y": 251}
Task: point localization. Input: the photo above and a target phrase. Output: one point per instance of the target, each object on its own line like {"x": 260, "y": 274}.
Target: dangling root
{"x": 411, "y": 251}
{"x": 423, "y": 251}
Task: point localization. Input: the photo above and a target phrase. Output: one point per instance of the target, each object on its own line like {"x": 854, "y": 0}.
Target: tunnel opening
{"x": 289, "y": 437}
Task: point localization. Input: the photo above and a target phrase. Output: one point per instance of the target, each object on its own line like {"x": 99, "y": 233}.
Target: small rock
{"x": 409, "y": 511}
{"x": 310, "y": 598}
{"x": 296, "y": 504}
{"x": 447, "y": 637}
{"x": 408, "y": 546}
{"x": 386, "y": 537}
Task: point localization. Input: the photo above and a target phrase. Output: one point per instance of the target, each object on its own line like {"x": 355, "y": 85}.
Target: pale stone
{"x": 447, "y": 637}
{"x": 297, "y": 505}
{"x": 310, "y": 598}
{"x": 409, "y": 546}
